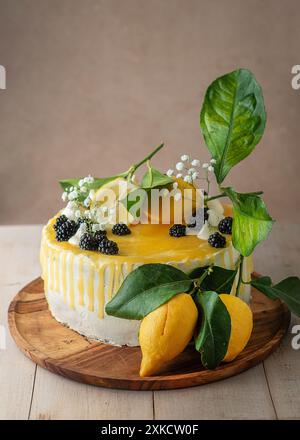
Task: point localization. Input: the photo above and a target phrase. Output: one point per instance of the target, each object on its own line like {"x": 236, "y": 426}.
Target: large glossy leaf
{"x": 146, "y": 288}
{"x": 220, "y": 280}
{"x": 288, "y": 290}
{"x": 251, "y": 221}
{"x": 232, "y": 119}
{"x": 214, "y": 334}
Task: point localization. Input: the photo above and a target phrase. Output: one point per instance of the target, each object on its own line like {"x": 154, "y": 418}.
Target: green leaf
{"x": 232, "y": 119}
{"x": 263, "y": 284}
{"x": 138, "y": 196}
{"x": 251, "y": 221}
{"x": 145, "y": 289}
{"x": 214, "y": 334}
{"x": 219, "y": 280}
{"x": 154, "y": 179}
{"x": 288, "y": 290}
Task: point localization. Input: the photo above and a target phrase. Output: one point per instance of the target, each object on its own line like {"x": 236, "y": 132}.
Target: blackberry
{"x": 100, "y": 236}
{"x": 59, "y": 221}
{"x": 177, "y": 230}
{"x": 217, "y": 240}
{"x": 88, "y": 242}
{"x": 66, "y": 230}
{"x": 225, "y": 225}
{"x": 120, "y": 229}
{"x": 108, "y": 247}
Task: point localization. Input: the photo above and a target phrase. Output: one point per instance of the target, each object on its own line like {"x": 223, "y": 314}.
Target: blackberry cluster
{"x": 108, "y": 247}
{"x": 65, "y": 230}
{"x": 177, "y": 231}
{"x": 59, "y": 221}
{"x": 217, "y": 240}
{"x": 120, "y": 229}
{"x": 100, "y": 235}
{"x": 225, "y": 225}
{"x": 88, "y": 242}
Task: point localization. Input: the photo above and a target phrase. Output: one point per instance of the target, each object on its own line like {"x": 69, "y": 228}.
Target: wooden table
{"x": 269, "y": 391}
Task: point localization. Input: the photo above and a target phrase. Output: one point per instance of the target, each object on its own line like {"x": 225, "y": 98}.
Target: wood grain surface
{"x": 63, "y": 351}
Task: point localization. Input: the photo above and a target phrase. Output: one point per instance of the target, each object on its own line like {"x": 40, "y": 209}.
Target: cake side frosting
{"x": 79, "y": 283}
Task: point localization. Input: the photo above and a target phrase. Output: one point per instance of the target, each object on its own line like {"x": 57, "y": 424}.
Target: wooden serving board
{"x": 63, "y": 351}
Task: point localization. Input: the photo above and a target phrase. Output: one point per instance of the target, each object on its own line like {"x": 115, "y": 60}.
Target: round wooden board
{"x": 63, "y": 351}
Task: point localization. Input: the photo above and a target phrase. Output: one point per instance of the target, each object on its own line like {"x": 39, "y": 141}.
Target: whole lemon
{"x": 241, "y": 325}
{"x": 166, "y": 331}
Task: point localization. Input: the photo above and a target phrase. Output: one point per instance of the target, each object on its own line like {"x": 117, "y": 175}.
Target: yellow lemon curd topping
{"x": 166, "y": 331}
{"x": 90, "y": 279}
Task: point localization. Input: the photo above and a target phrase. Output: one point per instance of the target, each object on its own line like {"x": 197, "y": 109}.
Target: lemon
{"x": 166, "y": 331}
{"x": 110, "y": 196}
{"x": 241, "y": 325}
{"x": 180, "y": 209}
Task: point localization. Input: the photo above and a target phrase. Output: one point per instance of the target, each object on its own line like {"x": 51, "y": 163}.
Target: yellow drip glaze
{"x": 51, "y": 271}
{"x": 71, "y": 282}
{"x": 46, "y": 268}
{"x": 90, "y": 288}
{"x": 57, "y": 283}
{"x": 111, "y": 271}
{"x": 80, "y": 283}
{"x": 64, "y": 276}
{"x": 100, "y": 293}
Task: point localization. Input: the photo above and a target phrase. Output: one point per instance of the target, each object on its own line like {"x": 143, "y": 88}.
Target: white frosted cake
{"x": 78, "y": 283}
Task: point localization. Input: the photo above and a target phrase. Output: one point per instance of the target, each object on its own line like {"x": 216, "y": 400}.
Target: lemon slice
{"x": 108, "y": 199}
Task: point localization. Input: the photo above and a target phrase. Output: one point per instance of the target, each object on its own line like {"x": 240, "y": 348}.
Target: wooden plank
{"x": 279, "y": 257}
{"x": 245, "y": 396}
{"x": 16, "y": 371}
{"x": 282, "y": 369}
{"x": 59, "y": 398}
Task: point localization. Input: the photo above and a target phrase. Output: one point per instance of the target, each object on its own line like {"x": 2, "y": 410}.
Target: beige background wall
{"x": 92, "y": 85}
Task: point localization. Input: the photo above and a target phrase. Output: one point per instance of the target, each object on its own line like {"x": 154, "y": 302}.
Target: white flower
{"x": 191, "y": 170}
{"x": 187, "y": 179}
{"x": 210, "y": 168}
{"x": 205, "y": 231}
{"x": 179, "y": 166}
{"x": 83, "y": 189}
{"x": 87, "y": 202}
{"x": 175, "y": 185}
{"x": 205, "y": 165}
{"x": 77, "y": 213}
{"x": 73, "y": 195}
{"x": 195, "y": 163}
{"x": 92, "y": 194}
{"x": 72, "y": 205}
{"x": 96, "y": 227}
{"x": 213, "y": 161}
{"x": 179, "y": 176}
{"x": 185, "y": 157}
{"x": 81, "y": 183}
{"x": 170, "y": 173}
{"x": 64, "y": 196}
{"x": 195, "y": 175}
